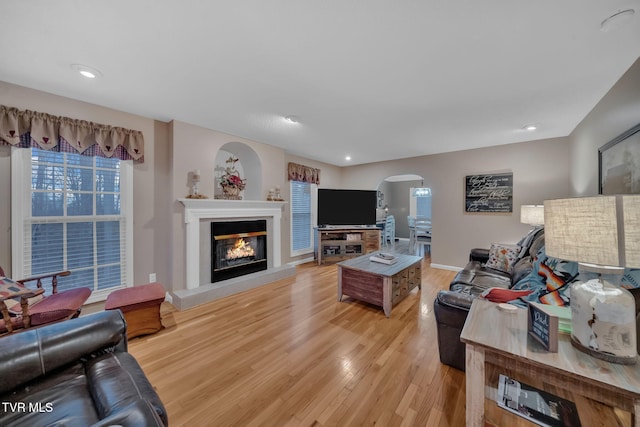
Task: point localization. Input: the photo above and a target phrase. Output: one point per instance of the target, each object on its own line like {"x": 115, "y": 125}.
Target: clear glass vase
{"x": 603, "y": 320}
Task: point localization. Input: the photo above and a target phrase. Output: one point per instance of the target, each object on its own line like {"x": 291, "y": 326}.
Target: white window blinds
{"x": 303, "y": 205}
{"x": 77, "y": 216}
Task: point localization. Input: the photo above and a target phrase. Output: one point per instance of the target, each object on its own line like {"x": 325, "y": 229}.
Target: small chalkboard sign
{"x": 543, "y": 327}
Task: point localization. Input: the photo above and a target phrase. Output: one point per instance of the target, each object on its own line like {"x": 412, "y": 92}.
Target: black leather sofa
{"x": 75, "y": 373}
{"x": 451, "y": 307}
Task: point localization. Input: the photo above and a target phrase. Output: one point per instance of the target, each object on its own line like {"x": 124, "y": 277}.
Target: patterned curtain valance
{"x": 303, "y": 173}
{"x": 40, "y": 130}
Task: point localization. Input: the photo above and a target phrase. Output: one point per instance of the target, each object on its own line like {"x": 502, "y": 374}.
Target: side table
{"x": 497, "y": 341}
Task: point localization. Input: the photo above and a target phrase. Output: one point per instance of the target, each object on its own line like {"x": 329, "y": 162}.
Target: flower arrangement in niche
{"x": 231, "y": 182}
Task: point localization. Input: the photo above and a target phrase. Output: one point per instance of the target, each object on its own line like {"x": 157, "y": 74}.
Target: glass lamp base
{"x": 603, "y": 356}
{"x": 603, "y": 321}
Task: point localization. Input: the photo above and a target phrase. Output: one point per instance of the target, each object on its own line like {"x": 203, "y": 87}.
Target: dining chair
{"x": 411, "y": 222}
{"x": 390, "y": 230}
{"x": 422, "y": 236}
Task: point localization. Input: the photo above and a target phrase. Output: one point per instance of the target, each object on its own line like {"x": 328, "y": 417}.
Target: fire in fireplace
{"x": 237, "y": 248}
{"x": 241, "y": 251}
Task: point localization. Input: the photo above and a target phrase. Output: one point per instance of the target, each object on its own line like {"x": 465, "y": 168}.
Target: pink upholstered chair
{"x": 23, "y": 307}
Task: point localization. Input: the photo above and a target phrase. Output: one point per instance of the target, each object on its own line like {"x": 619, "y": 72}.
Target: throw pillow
{"x": 8, "y": 287}
{"x": 503, "y": 257}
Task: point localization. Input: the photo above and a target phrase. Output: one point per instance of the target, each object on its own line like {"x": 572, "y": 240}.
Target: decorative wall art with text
{"x": 489, "y": 193}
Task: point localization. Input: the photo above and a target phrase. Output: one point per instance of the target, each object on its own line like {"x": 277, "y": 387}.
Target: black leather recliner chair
{"x": 76, "y": 373}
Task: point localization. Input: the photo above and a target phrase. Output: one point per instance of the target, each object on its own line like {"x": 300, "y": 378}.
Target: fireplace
{"x": 237, "y": 248}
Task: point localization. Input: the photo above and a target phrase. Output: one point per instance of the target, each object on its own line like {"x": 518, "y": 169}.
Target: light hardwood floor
{"x": 290, "y": 354}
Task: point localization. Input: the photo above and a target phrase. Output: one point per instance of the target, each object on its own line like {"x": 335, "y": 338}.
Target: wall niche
{"x": 248, "y": 166}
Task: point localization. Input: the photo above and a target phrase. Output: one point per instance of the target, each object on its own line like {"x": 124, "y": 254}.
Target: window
{"x": 420, "y": 202}
{"x": 72, "y": 212}
{"x": 423, "y": 206}
{"x": 303, "y": 216}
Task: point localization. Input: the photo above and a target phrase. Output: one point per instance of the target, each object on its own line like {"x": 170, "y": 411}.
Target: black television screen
{"x": 346, "y": 207}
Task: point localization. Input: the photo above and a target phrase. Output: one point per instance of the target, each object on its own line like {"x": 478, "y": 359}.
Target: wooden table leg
{"x": 475, "y": 385}
{"x": 386, "y": 295}
{"x": 339, "y": 283}
{"x": 636, "y": 413}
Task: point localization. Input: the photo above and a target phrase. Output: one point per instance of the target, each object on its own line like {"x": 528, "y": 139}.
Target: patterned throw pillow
{"x": 503, "y": 257}
{"x": 7, "y": 287}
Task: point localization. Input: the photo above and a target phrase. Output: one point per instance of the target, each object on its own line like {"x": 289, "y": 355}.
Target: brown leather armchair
{"x": 23, "y": 307}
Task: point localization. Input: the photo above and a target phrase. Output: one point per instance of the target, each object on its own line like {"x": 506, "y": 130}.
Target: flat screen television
{"x": 346, "y": 207}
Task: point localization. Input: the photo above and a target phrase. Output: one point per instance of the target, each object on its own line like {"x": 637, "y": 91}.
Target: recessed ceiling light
{"x": 347, "y": 158}
{"x": 291, "y": 119}
{"x": 86, "y": 71}
{"x": 530, "y": 127}
{"x": 616, "y": 20}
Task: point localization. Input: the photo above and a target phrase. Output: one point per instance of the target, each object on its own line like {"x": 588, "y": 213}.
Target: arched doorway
{"x": 403, "y": 196}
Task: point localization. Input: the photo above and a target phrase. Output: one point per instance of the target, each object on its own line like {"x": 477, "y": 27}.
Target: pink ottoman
{"x": 140, "y": 306}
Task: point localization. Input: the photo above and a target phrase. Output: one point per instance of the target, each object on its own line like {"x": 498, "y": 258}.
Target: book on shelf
{"x": 537, "y": 406}
{"x": 384, "y": 258}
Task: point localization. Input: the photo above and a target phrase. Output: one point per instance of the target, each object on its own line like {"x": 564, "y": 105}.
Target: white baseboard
{"x": 445, "y": 267}
{"x": 301, "y": 261}
{"x": 168, "y": 297}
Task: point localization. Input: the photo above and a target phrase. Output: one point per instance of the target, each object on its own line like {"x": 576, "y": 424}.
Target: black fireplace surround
{"x": 237, "y": 248}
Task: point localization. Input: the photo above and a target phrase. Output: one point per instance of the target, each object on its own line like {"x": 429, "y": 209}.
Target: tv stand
{"x": 337, "y": 243}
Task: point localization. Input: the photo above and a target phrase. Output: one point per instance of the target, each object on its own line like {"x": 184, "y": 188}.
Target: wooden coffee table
{"x": 379, "y": 284}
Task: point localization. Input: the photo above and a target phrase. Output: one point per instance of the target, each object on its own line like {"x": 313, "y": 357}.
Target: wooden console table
{"x": 497, "y": 342}
{"x": 379, "y": 284}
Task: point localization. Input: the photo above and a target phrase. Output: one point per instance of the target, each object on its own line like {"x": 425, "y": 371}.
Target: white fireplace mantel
{"x": 196, "y": 210}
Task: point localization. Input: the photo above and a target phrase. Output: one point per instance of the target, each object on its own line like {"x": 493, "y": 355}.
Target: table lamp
{"x": 532, "y": 215}
{"x": 602, "y": 234}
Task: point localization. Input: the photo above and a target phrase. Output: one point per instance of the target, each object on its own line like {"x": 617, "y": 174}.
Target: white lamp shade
{"x": 532, "y": 214}
{"x": 602, "y": 230}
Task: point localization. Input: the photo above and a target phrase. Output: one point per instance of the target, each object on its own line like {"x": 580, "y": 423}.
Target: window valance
{"x": 40, "y": 130}
{"x": 303, "y": 173}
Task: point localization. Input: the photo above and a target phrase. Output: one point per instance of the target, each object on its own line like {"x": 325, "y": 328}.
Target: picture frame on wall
{"x": 489, "y": 193}
{"x": 619, "y": 164}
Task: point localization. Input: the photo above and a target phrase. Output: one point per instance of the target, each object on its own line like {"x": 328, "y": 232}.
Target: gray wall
{"x": 618, "y": 111}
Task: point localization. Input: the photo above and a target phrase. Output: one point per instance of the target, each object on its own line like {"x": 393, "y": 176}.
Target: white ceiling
{"x": 372, "y": 79}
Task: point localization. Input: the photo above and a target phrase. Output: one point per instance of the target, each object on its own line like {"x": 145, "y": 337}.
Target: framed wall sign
{"x": 619, "y": 164}
{"x": 542, "y": 326}
{"x": 489, "y": 193}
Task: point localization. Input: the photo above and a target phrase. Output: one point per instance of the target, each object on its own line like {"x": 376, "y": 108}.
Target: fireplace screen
{"x": 238, "y": 248}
